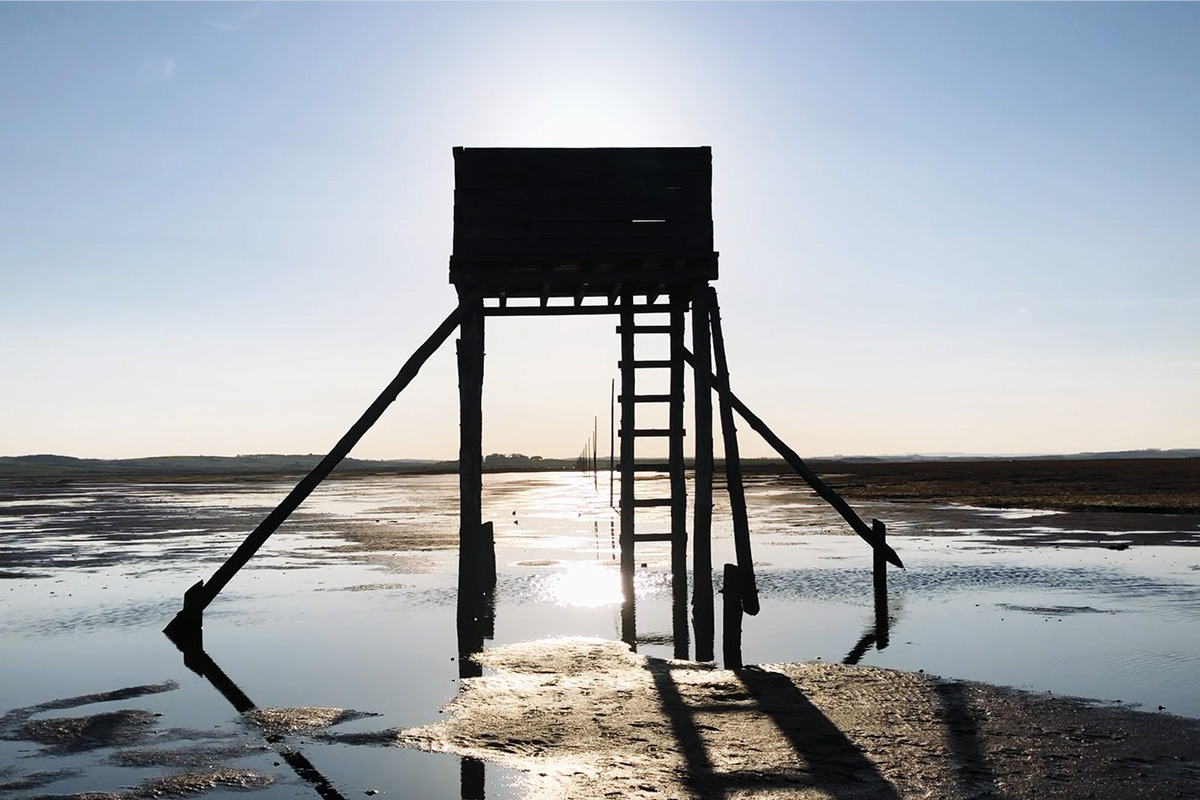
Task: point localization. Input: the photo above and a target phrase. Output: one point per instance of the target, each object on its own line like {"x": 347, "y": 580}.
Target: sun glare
{"x": 585, "y": 585}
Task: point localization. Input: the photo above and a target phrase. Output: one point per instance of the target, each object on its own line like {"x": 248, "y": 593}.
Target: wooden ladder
{"x": 630, "y": 433}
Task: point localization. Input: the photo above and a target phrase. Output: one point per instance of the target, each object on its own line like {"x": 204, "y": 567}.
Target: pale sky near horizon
{"x": 943, "y": 228}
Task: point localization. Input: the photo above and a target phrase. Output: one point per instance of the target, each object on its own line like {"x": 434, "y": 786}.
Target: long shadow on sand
{"x": 965, "y": 741}
{"x": 829, "y": 761}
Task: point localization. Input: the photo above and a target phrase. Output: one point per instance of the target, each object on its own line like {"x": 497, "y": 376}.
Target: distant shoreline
{"x": 50, "y": 465}
{"x": 1162, "y": 484}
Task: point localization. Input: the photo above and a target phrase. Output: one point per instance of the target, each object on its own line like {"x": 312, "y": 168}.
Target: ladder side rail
{"x": 679, "y": 534}
{"x": 627, "y": 442}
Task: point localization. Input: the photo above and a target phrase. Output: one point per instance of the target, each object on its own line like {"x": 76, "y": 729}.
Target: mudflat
{"x": 586, "y": 717}
{"x": 589, "y": 719}
{"x": 1147, "y": 485}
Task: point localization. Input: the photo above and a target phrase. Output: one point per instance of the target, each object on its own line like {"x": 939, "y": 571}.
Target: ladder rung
{"x": 652, "y": 537}
{"x": 648, "y": 502}
{"x": 651, "y": 432}
{"x": 648, "y": 364}
{"x": 651, "y": 398}
{"x": 646, "y": 329}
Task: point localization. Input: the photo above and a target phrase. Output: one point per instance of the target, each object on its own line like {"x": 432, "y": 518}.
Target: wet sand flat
{"x": 589, "y": 719}
{"x": 342, "y": 631}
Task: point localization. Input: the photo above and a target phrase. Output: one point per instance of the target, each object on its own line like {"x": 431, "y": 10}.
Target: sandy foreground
{"x": 589, "y": 719}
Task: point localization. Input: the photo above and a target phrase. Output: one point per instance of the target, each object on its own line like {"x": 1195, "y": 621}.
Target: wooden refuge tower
{"x": 621, "y": 231}
{"x": 633, "y": 228}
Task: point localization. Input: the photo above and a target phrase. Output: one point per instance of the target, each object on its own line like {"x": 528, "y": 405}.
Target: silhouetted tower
{"x": 622, "y": 231}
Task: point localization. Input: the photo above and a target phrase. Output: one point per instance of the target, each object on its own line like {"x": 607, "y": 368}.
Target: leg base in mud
{"x": 187, "y": 627}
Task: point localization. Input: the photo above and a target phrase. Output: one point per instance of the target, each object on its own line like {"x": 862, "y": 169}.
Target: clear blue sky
{"x": 944, "y": 227}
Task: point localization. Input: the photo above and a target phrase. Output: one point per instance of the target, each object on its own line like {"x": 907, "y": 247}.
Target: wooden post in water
{"x": 879, "y": 560}
{"x": 702, "y": 587}
{"x": 612, "y": 439}
{"x": 487, "y": 562}
{"x": 731, "y": 636}
{"x": 733, "y": 467}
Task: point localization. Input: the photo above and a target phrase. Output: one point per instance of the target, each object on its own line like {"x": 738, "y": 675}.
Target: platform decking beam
{"x": 568, "y": 311}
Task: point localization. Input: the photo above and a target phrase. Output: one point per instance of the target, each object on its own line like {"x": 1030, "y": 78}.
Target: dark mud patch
{"x": 1056, "y": 611}
{"x": 12, "y": 779}
{"x": 15, "y": 721}
{"x": 1150, "y": 485}
{"x": 200, "y": 767}
{"x": 28, "y": 575}
{"x": 280, "y": 721}
{"x": 186, "y": 784}
{"x": 365, "y": 587}
{"x": 67, "y": 735}
{"x": 193, "y": 757}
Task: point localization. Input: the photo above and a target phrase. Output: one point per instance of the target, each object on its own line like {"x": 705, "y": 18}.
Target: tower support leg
{"x": 679, "y": 542}
{"x": 733, "y": 468}
{"x": 702, "y": 571}
{"x": 471, "y": 556}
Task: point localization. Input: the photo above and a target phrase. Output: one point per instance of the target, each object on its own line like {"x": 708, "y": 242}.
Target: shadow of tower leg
{"x": 199, "y": 662}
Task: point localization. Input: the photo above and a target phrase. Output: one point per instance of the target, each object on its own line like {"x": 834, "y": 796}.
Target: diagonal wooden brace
{"x": 197, "y": 598}
{"x": 819, "y": 486}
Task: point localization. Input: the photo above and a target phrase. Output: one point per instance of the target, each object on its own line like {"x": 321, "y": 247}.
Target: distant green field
{"x": 52, "y": 466}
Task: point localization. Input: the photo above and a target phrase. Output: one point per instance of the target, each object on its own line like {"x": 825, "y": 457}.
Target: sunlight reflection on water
{"x": 582, "y": 585}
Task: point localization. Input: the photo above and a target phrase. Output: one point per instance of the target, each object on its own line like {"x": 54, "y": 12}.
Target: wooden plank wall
{"x": 530, "y": 204}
